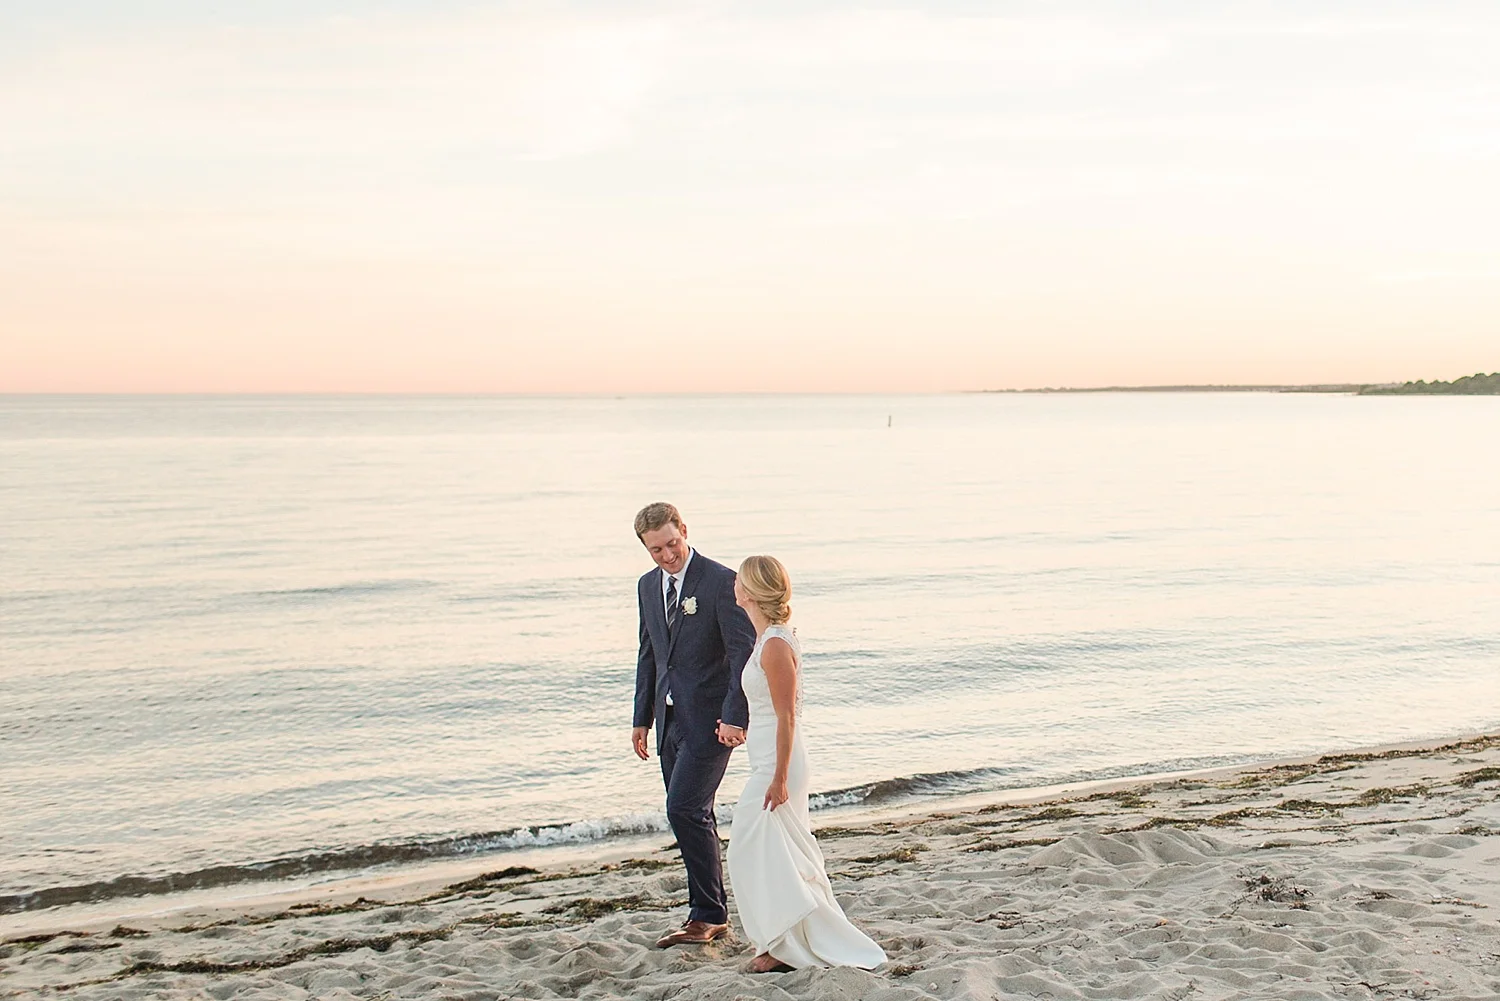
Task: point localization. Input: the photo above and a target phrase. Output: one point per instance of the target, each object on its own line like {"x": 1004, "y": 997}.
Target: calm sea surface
{"x": 272, "y": 636}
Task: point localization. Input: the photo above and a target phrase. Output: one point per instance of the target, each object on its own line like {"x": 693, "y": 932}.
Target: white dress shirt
{"x": 678, "y": 577}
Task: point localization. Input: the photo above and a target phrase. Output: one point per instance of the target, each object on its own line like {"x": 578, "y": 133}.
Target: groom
{"x": 694, "y": 644}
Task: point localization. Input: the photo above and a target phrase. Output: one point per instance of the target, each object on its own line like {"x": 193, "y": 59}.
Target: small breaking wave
{"x": 578, "y": 832}
{"x": 954, "y": 783}
{"x": 350, "y": 858}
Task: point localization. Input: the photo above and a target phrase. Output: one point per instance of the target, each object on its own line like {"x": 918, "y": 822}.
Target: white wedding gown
{"x": 776, "y": 870}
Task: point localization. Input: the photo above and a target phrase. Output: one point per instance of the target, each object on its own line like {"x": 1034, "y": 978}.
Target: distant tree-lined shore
{"x": 1478, "y": 384}
{"x": 1469, "y": 385}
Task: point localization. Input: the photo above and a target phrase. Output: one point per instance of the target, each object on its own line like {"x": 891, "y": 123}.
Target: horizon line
{"x": 1322, "y": 387}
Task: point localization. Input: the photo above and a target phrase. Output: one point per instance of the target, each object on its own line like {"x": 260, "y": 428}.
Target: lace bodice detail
{"x": 757, "y": 689}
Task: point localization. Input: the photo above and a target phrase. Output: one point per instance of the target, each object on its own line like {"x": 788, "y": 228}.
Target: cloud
{"x": 921, "y": 51}
{"x": 534, "y": 84}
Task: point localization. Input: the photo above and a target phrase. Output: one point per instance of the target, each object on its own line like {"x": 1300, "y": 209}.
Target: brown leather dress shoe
{"x": 693, "y": 933}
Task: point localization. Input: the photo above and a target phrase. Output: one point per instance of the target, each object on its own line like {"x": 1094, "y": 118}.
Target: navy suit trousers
{"x": 692, "y": 779}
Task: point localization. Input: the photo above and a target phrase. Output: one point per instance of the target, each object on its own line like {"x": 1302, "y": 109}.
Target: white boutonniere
{"x": 690, "y": 605}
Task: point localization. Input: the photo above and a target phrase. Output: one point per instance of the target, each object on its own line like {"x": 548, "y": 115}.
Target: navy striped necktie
{"x": 671, "y": 602}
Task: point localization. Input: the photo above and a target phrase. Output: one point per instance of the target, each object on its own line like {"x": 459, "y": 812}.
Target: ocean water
{"x": 249, "y": 637}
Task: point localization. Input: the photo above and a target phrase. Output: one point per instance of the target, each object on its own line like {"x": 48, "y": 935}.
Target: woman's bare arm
{"x": 780, "y": 665}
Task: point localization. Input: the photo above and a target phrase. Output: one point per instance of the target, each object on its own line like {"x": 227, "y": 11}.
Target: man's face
{"x": 668, "y": 546}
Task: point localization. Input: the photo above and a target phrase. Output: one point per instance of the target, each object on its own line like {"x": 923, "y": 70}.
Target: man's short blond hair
{"x": 654, "y": 516}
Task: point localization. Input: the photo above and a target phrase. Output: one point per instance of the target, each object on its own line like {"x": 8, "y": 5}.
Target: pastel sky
{"x": 619, "y": 197}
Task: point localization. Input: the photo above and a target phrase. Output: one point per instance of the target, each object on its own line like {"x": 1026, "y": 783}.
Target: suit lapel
{"x": 689, "y": 582}
{"x": 656, "y": 611}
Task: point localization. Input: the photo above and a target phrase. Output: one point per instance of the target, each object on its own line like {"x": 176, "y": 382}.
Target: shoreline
{"x": 1360, "y": 874}
{"x": 256, "y": 879}
{"x": 256, "y": 899}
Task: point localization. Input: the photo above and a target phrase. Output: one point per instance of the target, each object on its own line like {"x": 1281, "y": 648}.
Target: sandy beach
{"x": 1362, "y": 875}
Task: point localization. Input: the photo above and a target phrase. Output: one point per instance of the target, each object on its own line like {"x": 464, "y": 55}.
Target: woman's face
{"x": 741, "y": 596}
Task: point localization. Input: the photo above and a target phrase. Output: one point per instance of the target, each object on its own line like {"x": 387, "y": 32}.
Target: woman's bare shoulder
{"x": 778, "y": 652}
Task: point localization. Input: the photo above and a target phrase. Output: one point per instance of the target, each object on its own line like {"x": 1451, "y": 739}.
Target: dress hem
{"x": 783, "y": 932}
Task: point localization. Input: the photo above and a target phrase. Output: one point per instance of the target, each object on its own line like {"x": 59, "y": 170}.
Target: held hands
{"x": 729, "y": 736}
{"x": 776, "y": 794}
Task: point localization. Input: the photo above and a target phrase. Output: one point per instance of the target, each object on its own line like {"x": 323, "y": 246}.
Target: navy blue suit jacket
{"x": 702, "y": 658}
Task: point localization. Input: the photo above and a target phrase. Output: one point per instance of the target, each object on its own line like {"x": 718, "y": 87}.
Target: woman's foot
{"x": 767, "y": 963}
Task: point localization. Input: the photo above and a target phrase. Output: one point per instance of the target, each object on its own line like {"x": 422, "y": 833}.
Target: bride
{"x": 775, "y": 866}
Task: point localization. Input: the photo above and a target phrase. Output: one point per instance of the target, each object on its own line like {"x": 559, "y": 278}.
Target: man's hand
{"x": 730, "y": 736}
{"x": 638, "y": 741}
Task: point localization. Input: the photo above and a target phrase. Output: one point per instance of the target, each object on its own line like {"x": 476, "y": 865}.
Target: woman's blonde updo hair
{"x": 765, "y": 580}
